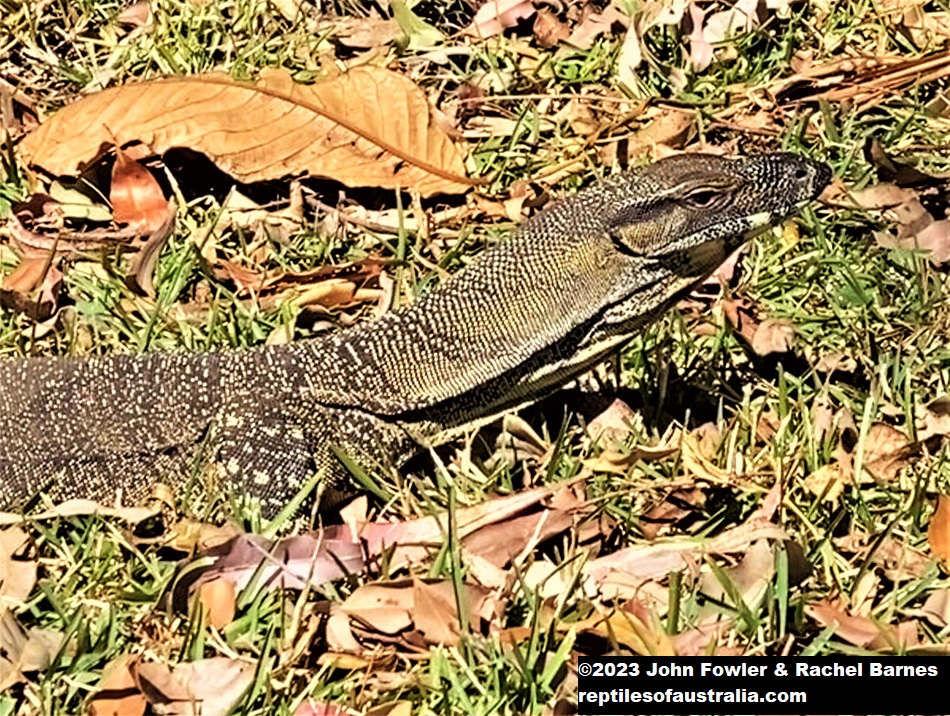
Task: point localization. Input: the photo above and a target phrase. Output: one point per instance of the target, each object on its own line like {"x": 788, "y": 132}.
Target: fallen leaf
{"x": 32, "y": 288}
{"x": 137, "y": 198}
{"x": 363, "y": 32}
{"x": 382, "y": 607}
{"x": 671, "y": 129}
{"x": 218, "y": 597}
{"x": 17, "y": 568}
{"x": 501, "y": 542}
{"x": 629, "y": 630}
{"x": 217, "y": 684}
{"x": 647, "y": 562}
{"x": 24, "y": 651}
{"x": 116, "y": 693}
{"x": 891, "y": 170}
{"x": 695, "y": 463}
{"x": 773, "y": 336}
{"x": 763, "y": 337}
{"x": 933, "y": 418}
{"x": 495, "y": 16}
{"x": 887, "y": 452}
{"x": 366, "y": 127}
{"x": 81, "y": 508}
{"x": 859, "y": 631}
{"x": 936, "y": 609}
{"x": 863, "y": 631}
{"x": 750, "y": 578}
{"x": 827, "y": 482}
{"x": 548, "y": 29}
{"x": 938, "y": 531}
{"x": 321, "y": 708}
{"x": 290, "y": 563}
{"x": 434, "y": 611}
{"x": 597, "y": 24}
{"x": 426, "y": 608}
{"x": 209, "y": 687}
{"x": 739, "y": 18}
{"x": 138, "y": 14}
{"x": 700, "y": 49}
{"x": 671, "y": 511}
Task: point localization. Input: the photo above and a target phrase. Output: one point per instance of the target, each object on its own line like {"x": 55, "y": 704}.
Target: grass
{"x": 101, "y": 586}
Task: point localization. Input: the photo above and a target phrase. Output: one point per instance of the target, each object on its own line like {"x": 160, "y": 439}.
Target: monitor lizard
{"x": 528, "y": 315}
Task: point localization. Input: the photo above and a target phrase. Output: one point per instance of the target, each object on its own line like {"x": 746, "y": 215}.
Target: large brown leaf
{"x": 367, "y": 127}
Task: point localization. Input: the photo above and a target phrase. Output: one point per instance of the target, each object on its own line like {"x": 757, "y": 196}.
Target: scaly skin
{"x": 567, "y": 290}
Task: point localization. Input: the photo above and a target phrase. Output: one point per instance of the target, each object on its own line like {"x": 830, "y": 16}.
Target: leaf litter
{"x": 671, "y": 476}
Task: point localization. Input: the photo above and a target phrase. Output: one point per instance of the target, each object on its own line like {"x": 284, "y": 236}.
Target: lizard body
{"x": 569, "y": 288}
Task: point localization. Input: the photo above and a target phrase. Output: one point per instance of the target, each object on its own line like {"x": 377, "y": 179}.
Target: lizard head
{"x": 699, "y": 205}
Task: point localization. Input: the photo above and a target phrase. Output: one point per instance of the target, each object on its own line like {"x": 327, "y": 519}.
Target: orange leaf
{"x": 137, "y": 198}
{"x": 938, "y": 533}
{"x": 218, "y": 597}
{"x": 117, "y": 693}
{"x": 366, "y": 127}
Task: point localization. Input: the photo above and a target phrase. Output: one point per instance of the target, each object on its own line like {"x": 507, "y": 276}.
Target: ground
{"x": 802, "y": 389}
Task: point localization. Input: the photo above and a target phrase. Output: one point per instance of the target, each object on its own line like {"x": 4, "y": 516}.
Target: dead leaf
{"x": 23, "y": 651}
{"x": 863, "y": 631}
{"x": 776, "y": 336}
{"x": 138, "y": 14}
{"x": 434, "y": 611}
{"x": 739, "y": 18}
{"x": 17, "y": 568}
{"x": 217, "y": 684}
{"x": 36, "y": 220}
{"x": 936, "y": 609}
{"x": 933, "y": 418}
{"x": 548, "y": 29}
{"x": 750, "y": 578}
{"x": 363, "y": 32}
{"x": 596, "y": 24}
{"x": 614, "y": 423}
{"x": 887, "y": 452}
{"x": 672, "y": 510}
{"x": 137, "y": 198}
{"x": 700, "y": 50}
{"x": 827, "y": 482}
{"x": 495, "y": 16}
{"x": 641, "y": 563}
{"x": 291, "y": 563}
{"x": 629, "y": 630}
{"x": 218, "y": 597}
{"x": 382, "y": 607}
{"x": 427, "y": 607}
{"x": 366, "y": 127}
{"x": 209, "y": 687}
{"x": 414, "y": 540}
{"x": 117, "y": 693}
{"x": 32, "y": 288}
{"x": 500, "y": 543}
{"x": 695, "y": 463}
{"x": 81, "y": 508}
{"x": 773, "y": 336}
{"x": 938, "y": 531}
{"x": 670, "y": 128}
{"x": 322, "y": 708}
{"x": 891, "y": 170}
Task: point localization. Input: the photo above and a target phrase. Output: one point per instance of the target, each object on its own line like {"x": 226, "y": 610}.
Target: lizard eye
{"x": 705, "y": 199}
